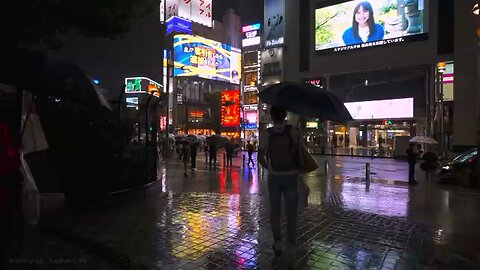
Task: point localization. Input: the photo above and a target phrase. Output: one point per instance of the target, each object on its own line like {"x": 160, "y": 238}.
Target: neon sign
{"x": 230, "y": 108}
{"x": 178, "y": 25}
{"x": 251, "y": 27}
{"x": 142, "y": 85}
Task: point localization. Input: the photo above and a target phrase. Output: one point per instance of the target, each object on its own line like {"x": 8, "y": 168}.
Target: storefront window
{"x": 250, "y": 59}
{"x": 251, "y": 78}
{"x": 250, "y": 98}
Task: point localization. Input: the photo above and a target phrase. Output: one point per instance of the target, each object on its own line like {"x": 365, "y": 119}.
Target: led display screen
{"x": 381, "y": 109}
{"x": 359, "y": 24}
{"x": 230, "y": 101}
{"x": 200, "y": 57}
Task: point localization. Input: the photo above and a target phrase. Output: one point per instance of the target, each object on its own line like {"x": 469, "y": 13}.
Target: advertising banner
{"x": 184, "y": 8}
{"x": 171, "y": 8}
{"x": 360, "y": 24}
{"x": 199, "y": 11}
{"x": 251, "y": 117}
{"x": 142, "y": 85}
{"x": 200, "y": 57}
{"x": 251, "y": 35}
{"x": 251, "y": 81}
{"x": 274, "y": 22}
{"x": 162, "y": 11}
{"x": 230, "y": 100}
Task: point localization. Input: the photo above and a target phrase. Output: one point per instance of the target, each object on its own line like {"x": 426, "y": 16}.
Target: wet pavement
{"x": 219, "y": 220}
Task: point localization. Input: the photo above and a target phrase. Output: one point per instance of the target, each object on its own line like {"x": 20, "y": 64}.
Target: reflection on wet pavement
{"x": 219, "y": 220}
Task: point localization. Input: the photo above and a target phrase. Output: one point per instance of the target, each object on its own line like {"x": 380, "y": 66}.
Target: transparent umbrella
{"x": 423, "y": 139}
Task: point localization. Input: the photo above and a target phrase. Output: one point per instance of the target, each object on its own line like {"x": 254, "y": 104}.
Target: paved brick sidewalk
{"x": 219, "y": 220}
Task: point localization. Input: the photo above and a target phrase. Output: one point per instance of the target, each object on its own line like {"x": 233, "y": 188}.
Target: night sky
{"x": 251, "y": 11}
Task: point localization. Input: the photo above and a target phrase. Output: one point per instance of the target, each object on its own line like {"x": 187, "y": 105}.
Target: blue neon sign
{"x": 250, "y": 126}
{"x": 178, "y": 25}
{"x": 252, "y": 27}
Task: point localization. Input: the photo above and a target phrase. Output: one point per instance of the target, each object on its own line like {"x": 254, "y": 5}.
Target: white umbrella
{"x": 423, "y": 139}
{"x": 33, "y": 138}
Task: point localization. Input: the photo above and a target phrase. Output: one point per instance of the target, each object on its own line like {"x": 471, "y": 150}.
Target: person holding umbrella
{"x": 185, "y": 156}
{"x": 278, "y": 152}
{"x": 194, "y": 145}
{"x": 229, "y": 149}
{"x": 282, "y": 143}
{"x": 212, "y": 150}
{"x": 412, "y": 157}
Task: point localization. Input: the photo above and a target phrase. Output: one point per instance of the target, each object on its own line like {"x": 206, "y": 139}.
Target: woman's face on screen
{"x": 362, "y": 16}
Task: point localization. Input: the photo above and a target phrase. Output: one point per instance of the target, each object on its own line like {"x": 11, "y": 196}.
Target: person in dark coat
{"x": 250, "y": 150}
{"x": 193, "y": 154}
{"x": 229, "y": 149}
{"x": 212, "y": 149}
{"x": 185, "y": 150}
{"x": 412, "y": 157}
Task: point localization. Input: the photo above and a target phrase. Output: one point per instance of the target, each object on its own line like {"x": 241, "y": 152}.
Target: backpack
{"x": 282, "y": 153}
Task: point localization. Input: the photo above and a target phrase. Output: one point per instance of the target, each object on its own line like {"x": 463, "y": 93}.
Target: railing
{"x": 353, "y": 151}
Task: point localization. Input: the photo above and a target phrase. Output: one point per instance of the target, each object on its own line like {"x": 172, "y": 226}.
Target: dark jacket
{"x": 229, "y": 148}
{"x": 412, "y": 156}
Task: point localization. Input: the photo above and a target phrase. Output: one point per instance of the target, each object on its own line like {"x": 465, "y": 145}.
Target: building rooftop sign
{"x": 198, "y": 11}
{"x": 178, "y": 25}
{"x": 142, "y": 85}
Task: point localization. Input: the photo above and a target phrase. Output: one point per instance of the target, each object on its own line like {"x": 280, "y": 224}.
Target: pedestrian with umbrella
{"x": 212, "y": 150}
{"x": 185, "y": 155}
{"x": 229, "y": 149}
{"x": 282, "y": 152}
{"x": 412, "y": 156}
{"x": 430, "y": 159}
{"x": 194, "y": 145}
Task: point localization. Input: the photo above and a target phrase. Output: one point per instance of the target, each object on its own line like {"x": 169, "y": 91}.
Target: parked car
{"x": 455, "y": 168}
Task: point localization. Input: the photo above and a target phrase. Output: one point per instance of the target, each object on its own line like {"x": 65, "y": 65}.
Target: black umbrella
{"x": 306, "y": 100}
{"x": 47, "y": 76}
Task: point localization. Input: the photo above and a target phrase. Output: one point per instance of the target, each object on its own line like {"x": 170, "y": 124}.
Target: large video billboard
{"x": 200, "y": 57}
{"x": 359, "y": 24}
{"x": 274, "y": 22}
{"x": 381, "y": 109}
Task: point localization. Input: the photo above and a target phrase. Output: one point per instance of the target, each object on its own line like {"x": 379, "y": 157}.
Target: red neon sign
{"x": 163, "y": 122}
{"x": 230, "y": 108}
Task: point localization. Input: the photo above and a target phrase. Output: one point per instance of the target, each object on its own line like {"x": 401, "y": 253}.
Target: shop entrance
{"x": 367, "y": 138}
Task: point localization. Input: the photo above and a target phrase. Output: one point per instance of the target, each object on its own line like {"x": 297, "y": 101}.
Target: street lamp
{"x": 440, "y": 70}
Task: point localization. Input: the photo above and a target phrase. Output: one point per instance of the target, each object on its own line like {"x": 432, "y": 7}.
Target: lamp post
{"x": 476, "y": 14}
{"x": 440, "y": 70}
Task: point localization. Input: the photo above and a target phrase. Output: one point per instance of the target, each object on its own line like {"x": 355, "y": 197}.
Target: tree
{"x": 46, "y": 22}
{"x": 214, "y": 105}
